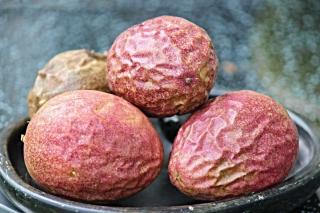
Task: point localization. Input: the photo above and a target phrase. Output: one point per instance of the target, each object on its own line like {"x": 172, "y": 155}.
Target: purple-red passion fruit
{"x": 164, "y": 66}
{"x": 92, "y": 146}
{"x": 239, "y": 143}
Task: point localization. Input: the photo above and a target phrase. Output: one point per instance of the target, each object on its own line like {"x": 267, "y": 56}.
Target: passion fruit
{"x": 239, "y": 143}
{"x": 92, "y": 146}
{"x": 70, "y": 70}
{"x": 164, "y": 66}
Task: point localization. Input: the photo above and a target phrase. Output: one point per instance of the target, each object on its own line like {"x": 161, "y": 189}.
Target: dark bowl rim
{"x": 308, "y": 173}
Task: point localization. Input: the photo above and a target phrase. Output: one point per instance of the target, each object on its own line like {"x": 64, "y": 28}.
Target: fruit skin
{"x": 70, "y": 70}
{"x": 241, "y": 142}
{"x": 92, "y": 146}
{"x": 165, "y": 66}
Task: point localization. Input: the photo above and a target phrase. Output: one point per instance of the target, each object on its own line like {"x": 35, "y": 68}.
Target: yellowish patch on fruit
{"x": 104, "y": 106}
{"x": 178, "y": 179}
{"x": 180, "y": 102}
{"x": 227, "y": 173}
{"x": 227, "y": 179}
{"x": 73, "y": 173}
{"x": 204, "y": 73}
{"x": 131, "y": 119}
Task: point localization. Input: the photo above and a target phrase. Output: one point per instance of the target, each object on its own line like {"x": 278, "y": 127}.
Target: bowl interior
{"x": 160, "y": 192}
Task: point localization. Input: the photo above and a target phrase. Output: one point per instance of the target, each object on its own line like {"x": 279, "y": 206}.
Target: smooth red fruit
{"x": 165, "y": 66}
{"x": 241, "y": 142}
{"x": 91, "y": 145}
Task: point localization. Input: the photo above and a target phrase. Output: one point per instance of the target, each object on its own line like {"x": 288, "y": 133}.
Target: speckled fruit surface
{"x": 91, "y": 145}
{"x": 67, "y": 71}
{"x": 165, "y": 66}
{"x": 241, "y": 142}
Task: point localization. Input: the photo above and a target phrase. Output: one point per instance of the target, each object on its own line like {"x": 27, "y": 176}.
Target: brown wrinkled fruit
{"x": 165, "y": 66}
{"x": 92, "y": 146}
{"x": 241, "y": 142}
{"x": 71, "y": 70}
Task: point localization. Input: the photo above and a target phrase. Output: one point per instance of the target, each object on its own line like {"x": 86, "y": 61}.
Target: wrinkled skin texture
{"x": 91, "y": 145}
{"x": 67, "y": 71}
{"x": 165, "y": 66}
{"x": 241, "y": 142}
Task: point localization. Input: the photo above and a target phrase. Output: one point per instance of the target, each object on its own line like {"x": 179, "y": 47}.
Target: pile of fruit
{"x": 90, "y": 139}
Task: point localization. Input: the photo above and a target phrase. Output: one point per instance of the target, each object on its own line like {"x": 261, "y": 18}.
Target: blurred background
{"x": 270, "y": 46}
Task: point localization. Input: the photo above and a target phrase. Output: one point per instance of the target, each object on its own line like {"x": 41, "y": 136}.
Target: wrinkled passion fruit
{"x": 92, "y": 146}
{"x": 164, "y": 66}
{"x": 239, "y": 143}
{"x": 67, "y": 71}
